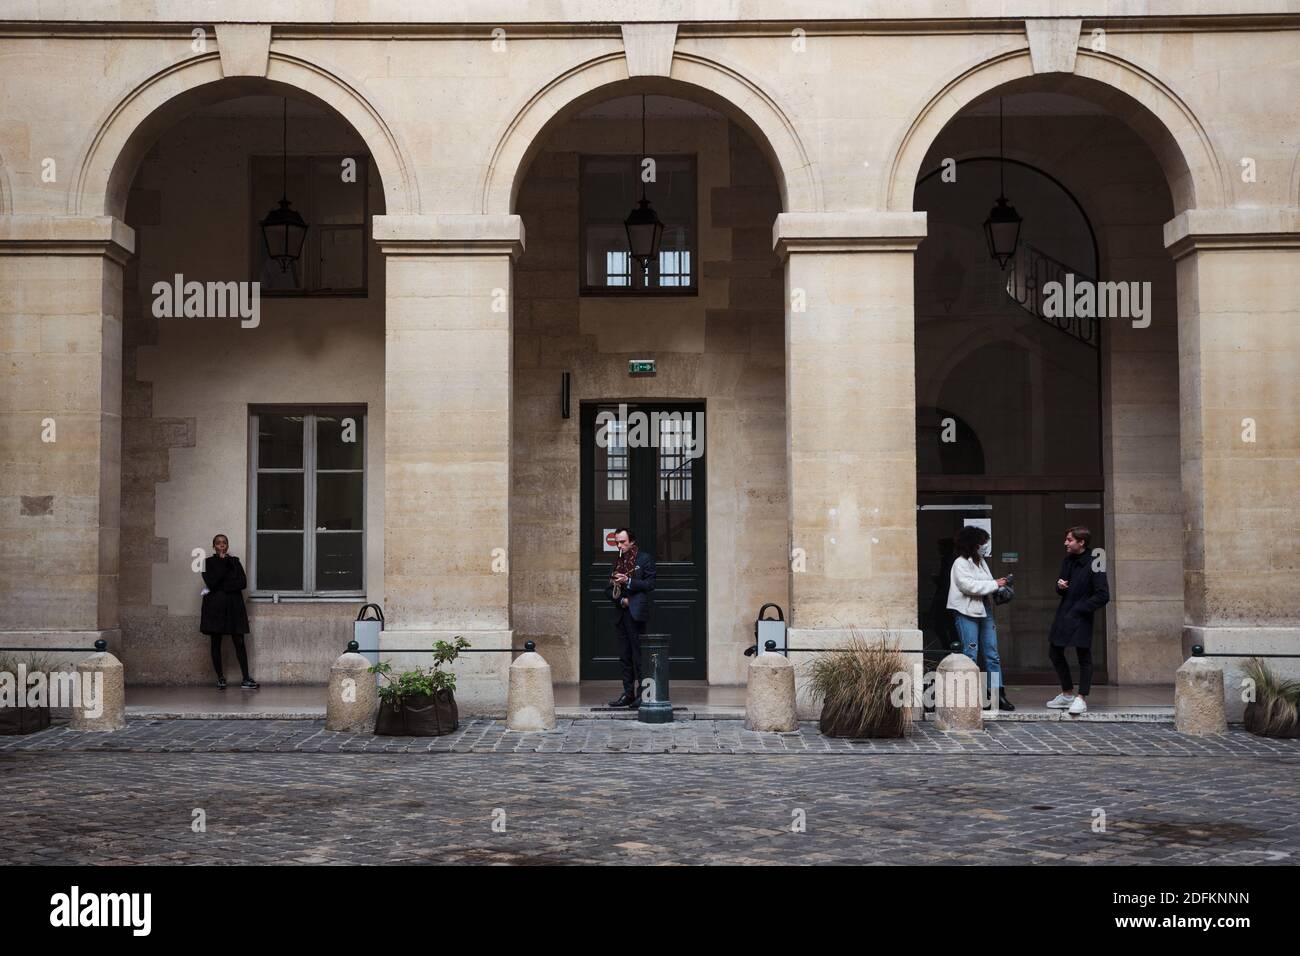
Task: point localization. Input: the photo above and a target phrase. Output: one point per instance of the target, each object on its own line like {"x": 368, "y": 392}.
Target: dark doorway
{"x": 643, "y": 467}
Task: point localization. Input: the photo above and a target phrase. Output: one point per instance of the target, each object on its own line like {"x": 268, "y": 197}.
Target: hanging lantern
{"x": 644, "y": 230}
{"x": 1002, "y": 227}
{"x": 644, "y": 233}
{"x": 283, "y": 230}
{"x": 1002, "y": 230}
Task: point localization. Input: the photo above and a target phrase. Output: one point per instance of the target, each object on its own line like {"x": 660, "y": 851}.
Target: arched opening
{"x": 710, "y": 500}
{"x": 1074, "y": 406}
{"x": 253, "y": 395}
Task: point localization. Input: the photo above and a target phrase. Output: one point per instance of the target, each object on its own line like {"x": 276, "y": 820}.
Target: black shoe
{"x": 250, "y": 683}
{"x": 1003, "y": 703}
{"x": 221, "y": 683}
{"x": 623, "y": 701}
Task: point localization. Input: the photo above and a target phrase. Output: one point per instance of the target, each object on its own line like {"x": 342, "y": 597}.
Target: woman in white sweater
{"x": 969, "y": 588}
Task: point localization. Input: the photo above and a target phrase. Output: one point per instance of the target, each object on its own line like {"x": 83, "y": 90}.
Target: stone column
{"x": 1239, "y": 351}
{"x": 447, "y": 435}
{"x": 851, "y": 420}
{"x": 60, "y": 427}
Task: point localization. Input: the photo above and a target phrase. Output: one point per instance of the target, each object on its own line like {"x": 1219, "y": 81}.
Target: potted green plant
{"x": 21, "y": 710}
{"x": 1275, "y": 711}
{"x": 855, "y": 687}
{"x": 420, "y": 702}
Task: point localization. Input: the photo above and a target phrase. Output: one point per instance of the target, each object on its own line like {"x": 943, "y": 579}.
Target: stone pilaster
{"x": 851, "y": 407}
{"x": 447, "y": 442}
{"x": 60, "y": 427}
{"x": 1239, "y": 347}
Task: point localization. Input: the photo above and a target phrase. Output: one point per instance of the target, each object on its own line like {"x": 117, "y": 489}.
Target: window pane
{"x": 342, "y": 252}
{"x": 279, "y": 441}
{"x": 334, "y": 201}
{"x": 675, "y": 514}
{"x": 279, "y": 502}
{"x": 338, "y": 561}
{"x": 338, "y": 502}
{"x": 339, "y": 441}
{"x": 279, "y": 562}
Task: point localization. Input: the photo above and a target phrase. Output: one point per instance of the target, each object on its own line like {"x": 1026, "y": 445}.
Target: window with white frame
{"x": 307, "y": 501}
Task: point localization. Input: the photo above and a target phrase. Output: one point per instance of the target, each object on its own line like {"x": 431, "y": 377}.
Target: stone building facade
{"x": 836, "y": 318}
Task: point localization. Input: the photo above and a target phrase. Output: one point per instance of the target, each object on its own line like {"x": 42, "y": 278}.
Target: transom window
{"x": 330, "y": 193}
{"x": 307, "y": 499}
{"x": 610, "y": 188}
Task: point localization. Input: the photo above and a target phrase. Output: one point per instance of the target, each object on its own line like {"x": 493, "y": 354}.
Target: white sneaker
{"x": 1080, "y": 706}
{"x": 1060, "y": 702}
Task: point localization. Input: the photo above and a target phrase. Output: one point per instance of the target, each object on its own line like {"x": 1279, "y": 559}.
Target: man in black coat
{"x": 1083, "y": 591}
{"x": 630, "y": 584}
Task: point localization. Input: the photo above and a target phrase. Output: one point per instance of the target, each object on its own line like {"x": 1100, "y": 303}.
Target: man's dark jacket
{"x": 637, "y": 590}
{"x": 1087, "y": 592}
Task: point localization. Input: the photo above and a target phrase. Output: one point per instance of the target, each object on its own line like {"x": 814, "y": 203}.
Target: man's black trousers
{"x": 630, "y": 633}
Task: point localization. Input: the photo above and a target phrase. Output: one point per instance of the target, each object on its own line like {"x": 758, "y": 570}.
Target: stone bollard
{"x": 769, "y": 694}
{"x": 1198, "y": 698}
{"x": 101, "y": 703}
{"x": 530, "y": 700}
{"x": 957, "y": 694}
{"x": 353, "y": 698}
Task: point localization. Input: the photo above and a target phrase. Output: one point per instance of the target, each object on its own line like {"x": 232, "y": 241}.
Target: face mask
{"x": 986, "y": 549}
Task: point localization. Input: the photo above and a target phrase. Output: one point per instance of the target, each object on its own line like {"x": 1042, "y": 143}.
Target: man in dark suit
{"x": 630, "y": 584}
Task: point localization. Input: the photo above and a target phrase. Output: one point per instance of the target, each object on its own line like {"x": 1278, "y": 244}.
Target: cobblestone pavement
{"x": 630, "y": 736}
{"x": 273, "y": 793}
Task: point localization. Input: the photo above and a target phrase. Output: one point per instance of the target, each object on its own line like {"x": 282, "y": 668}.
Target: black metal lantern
{"x": 644, "y": 232}
{"x": 283, "y": 230}
{"x": 644, "y": 229}
{"x": 1002, "y": 227}
{"x": 1002, "y": 230}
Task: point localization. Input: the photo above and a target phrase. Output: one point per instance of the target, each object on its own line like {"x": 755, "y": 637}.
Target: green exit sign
{"x": 641, "y": 367}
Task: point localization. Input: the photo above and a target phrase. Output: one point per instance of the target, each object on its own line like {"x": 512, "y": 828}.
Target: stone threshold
{"x": 1155, "y": 715}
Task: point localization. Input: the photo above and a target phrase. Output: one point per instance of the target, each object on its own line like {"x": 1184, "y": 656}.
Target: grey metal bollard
{"x": 769, "y": 693}
{"x": 1198, "y": 698}
{"x": 102, "y": 705}
{"x": 957, "y": 694}
{"x": 655, "y": 707}
{"x": 353, "y": 697}
{"x": 530, "y": 700}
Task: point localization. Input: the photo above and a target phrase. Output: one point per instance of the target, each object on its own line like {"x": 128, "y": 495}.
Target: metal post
{"x": 655, "y": 707}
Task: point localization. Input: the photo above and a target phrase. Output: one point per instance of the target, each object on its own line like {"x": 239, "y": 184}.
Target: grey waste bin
{"x": 365, "y": 631}
{"x": 769, "y": 629}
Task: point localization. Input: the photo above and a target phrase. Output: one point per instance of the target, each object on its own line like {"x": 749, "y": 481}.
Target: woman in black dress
{"x": 223, "y": 607}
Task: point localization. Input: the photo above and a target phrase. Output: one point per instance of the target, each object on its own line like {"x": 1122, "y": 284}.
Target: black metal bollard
{"x": 655, "y": 707}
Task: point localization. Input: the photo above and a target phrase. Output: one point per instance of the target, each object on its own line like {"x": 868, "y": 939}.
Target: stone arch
{"x": 693, "y": 77}
{"x": 1161, "y": 118}
{"x": 131, "y": 127}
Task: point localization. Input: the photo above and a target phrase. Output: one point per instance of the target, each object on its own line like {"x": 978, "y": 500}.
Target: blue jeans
{"x": 981, "y": 634}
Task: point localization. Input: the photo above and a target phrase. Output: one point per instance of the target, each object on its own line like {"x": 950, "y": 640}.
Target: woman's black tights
{"x": 240, "y": 651}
